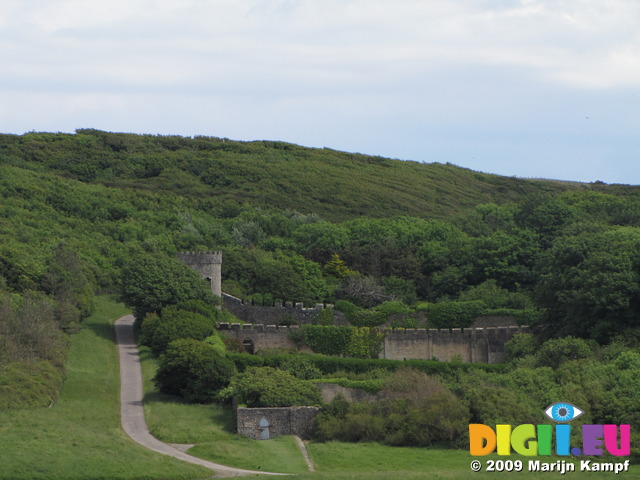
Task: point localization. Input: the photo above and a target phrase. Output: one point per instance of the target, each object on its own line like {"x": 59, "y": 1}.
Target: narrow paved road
{"x": 132, "y": 412}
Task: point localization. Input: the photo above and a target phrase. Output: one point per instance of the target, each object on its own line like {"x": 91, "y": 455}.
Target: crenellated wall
{"x": 280, "y": 313}
{"x": 471, "y": 345}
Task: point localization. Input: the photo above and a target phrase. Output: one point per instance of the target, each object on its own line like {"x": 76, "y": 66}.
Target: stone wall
{"x": 265, "y": 423}
{"x": 260, "y": 336}
{"x": 287, "y": 313}
{"x": 471, "y": 345}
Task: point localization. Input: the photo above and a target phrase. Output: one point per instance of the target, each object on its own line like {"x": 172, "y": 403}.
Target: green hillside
{"x": 99, "y": 212}
{"x": 335, "y": 185}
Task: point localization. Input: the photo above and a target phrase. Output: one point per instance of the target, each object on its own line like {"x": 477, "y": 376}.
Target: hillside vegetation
{"x": 376, "y": 236}
{"x": 335, "y": 185}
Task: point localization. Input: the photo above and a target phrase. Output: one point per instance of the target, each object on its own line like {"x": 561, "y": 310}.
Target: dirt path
{"x": 305, "y": 454}
{"x": 132, "y": 412}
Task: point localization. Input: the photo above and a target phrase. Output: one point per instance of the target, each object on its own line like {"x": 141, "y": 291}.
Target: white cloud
{"x": 183, "y": 44}
{"x": 345, "y": 73}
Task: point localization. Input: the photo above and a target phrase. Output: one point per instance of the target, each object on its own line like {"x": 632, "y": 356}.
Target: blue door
{"x": 263, "y": 427}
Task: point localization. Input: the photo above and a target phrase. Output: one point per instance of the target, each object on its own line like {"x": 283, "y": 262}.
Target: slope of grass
{"x": 80, "y": 437}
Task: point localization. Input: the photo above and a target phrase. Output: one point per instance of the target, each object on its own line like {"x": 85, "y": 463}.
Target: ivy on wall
{"x": 359, "y": 342}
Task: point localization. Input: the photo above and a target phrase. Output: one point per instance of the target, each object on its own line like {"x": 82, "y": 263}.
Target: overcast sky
{"x": 527, "y": 88}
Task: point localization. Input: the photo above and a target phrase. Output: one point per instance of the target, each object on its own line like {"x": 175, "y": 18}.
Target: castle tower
{"x": 208, "y": 265}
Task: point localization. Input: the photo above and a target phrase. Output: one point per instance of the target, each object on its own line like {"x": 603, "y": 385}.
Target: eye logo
{"x": 563, "y": 412}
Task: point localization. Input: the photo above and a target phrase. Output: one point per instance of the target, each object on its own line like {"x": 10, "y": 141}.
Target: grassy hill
{"x": 335, "y": 185}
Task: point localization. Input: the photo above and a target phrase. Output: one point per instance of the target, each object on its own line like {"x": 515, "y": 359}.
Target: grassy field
{"x": 80, "y": 437}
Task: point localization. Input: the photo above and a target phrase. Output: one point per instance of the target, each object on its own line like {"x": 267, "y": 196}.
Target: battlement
{"x": 191, "y": 258}
{"x": 485, "y": 332}
{"x": 230, "y": 299}
{"x": 281, "y": 312}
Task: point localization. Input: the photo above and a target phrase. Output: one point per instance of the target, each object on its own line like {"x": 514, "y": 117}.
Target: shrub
{"x": 393, "y": 306}
{"x": 225, "y": 316}
{"x": 496, "y": 297}
{"x": 326, "y": 317}
{"x": 193, "y": 370}
{"x": 216, "y": 342}
{"x": 356, "y": 366}
{"x": 347, "y": 307}
{"x": 242, "y": 361}
{"x": 233, "y": 344}
{"x": 328, "y": 340}
{"x": 373, "y": 385}
{"x": 405, "y": 323}
{"x": 175, "y": 324}
{"x": 150, "y": 283}
{"x": 300, "y": 367}
{"x": 454, "y": 314}
{"x": 148, "y": 328}
{"x": 198, "y": 306}
{"x": 29, "y": 384}
{"x": 415, "y": 410}
{"x": 364, "y": 343}
{"x": 271, "y": 387}
{"x": 367, "y": 318}
{"x": 521, "y": 345}
{"x": 556, "y": 351}
{"x": 529, "y": 316}
{"x": 492, "y": 403}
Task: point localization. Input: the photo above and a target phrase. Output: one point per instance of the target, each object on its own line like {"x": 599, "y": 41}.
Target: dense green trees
{"x": 150, "y": 283}
{"x": 79, "y": 210}
{"x": 194, "y": 370}
{"x": 589, "y": 282}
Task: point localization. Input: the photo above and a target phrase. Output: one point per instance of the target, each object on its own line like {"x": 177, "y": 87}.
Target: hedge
{"x": 454, "y": 314}
{"x": 529, "y": 316}
{"x": 328, "y": 364}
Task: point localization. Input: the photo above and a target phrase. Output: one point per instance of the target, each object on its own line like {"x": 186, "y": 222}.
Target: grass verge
{"x": 360, "y": 461}
{"x": 80, "y": 437}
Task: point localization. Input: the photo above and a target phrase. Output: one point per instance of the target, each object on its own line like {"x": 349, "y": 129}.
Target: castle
{"x": 471, "y": 345}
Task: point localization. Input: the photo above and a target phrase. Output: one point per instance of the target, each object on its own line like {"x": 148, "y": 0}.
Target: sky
{"x": 526, "y": 88}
